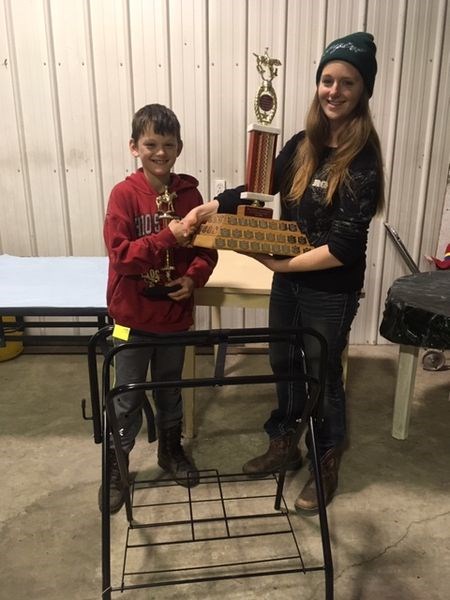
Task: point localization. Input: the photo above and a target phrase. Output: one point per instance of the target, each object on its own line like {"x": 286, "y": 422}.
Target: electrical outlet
{"x": 220, "y": 185}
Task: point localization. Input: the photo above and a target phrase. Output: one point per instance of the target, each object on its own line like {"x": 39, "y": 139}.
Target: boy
{"x": 151, "y": 279}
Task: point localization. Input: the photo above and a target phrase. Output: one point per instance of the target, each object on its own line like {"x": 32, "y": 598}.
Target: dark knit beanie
{"x": 359, "y": 50}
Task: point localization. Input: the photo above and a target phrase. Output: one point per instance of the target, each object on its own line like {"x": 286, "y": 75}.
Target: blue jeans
{"x": 292, "y": 305}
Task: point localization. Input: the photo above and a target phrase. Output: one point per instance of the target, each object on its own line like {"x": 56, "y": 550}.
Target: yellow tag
{"x": 121, "y": 333}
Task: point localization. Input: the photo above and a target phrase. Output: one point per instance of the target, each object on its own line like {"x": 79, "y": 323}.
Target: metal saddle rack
{"x": 225, "y": 514}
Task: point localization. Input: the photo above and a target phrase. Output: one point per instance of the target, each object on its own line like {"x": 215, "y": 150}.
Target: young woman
{"x": 330, "y": 179}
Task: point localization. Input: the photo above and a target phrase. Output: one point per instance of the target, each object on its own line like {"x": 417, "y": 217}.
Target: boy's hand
{"x": 186, "y": 290}
{"x": 178, "y": 229}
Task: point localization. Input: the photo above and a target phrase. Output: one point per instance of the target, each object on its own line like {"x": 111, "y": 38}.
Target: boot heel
{"x": 173, "y": 460}
{"x": 307, "y": 500}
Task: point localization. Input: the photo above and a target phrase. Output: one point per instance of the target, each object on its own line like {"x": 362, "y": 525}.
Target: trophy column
{"x": 262, "y": 146}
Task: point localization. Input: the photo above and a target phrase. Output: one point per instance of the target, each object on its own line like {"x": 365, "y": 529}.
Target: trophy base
{"x": 160, "y": 291}
{"x": 260, "y": 212}
{"x": 257, "y": 196}
{"x": 257, "y": 209}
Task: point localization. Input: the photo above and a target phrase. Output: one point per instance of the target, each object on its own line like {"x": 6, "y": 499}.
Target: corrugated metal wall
{"x": 73, "y": 72}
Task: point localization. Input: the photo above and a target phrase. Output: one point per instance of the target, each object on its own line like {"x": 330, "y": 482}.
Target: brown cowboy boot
{"x": 307, "y": 499}
{"x": 173, "y": 460}
{"x": 280, "y": 449}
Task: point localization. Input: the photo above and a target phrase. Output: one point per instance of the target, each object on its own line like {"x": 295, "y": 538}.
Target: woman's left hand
{"x": 316, "y": 259}
{"x": 267, "y": 260}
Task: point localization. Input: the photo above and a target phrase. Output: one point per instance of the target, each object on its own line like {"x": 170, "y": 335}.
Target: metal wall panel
{"x": 73, "y": 73}
{"x": 112, "y": 96}
{"x": 305, "y": 41}
{"x": 15, "y": 198}
{"x": 189, "y": 85}
{"x": 388, "y": 29}
{"x": 228, "y": 60}
{"x": 417, "y": 179}
{"x": 31, "y": 80}
{"x": 148, "y": 38}
{"x": 75, "y": 106}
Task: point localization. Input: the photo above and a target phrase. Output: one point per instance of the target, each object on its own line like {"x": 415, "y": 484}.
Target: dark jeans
{"x": 131, "y": 366}
{"x": 292, "y": 305}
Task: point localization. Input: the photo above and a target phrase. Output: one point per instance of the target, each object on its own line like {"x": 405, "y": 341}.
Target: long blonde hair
{"x": 359, "y": 131}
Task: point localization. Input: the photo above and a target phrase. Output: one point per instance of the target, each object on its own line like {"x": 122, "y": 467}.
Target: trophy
{"x": 262, "y": 142}
{"x": 252, "y": 229}
{"x": 157, "y": 279}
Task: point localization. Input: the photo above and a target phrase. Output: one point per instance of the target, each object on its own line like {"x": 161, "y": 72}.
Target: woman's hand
{"x": 265, "y": 259}
{"x": 179, "y": 231}
{"x": 198, "y": 215}
{"x": 316, "y": 259}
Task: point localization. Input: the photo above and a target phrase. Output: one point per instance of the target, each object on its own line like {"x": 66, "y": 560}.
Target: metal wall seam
{"x": 362, "y": 14}
{"x": 128, "y": 52}
{"x": 57, "y": 128}
{"x": 93, "y": 103}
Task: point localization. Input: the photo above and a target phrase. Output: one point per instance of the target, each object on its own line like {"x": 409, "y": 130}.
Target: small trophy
{"x": 157, "y": 279}
{"x": 262, "y": 142}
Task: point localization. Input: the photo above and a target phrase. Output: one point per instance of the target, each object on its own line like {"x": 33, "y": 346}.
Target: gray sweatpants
{"x": 131, "y": 366}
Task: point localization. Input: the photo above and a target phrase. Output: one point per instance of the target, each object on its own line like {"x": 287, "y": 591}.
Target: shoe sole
{"x": 187, "y": 482}
{"x": 311, "y": 511}
{"x": 112, "y": 509}
{"x": 306, "y": 512}
{"x": 290, "y": 467}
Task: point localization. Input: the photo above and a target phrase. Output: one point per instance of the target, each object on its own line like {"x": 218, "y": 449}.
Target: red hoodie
{"x": 136, "y": 244}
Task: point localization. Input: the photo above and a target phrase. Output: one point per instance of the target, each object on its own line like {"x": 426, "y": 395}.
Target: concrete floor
{"x": 389, "y": 522}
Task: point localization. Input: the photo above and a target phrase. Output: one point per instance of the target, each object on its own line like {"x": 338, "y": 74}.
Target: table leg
{"x": 215, "y": 317}
{"x": 404, "y": 390}
{"x": 2, "y": 334}
{"x": 216, "y": 323}
{"x": 188, "y": 394}
{"x": 189, "y": 429}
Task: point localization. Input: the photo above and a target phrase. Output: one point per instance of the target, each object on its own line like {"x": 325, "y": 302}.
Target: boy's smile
{"x": 157, "y": 154}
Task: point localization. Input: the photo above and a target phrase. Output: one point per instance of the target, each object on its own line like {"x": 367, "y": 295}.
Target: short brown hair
{"x": 163, "y": 120}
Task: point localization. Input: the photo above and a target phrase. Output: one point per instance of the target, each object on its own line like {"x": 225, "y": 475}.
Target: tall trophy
{"x": 252, "y": 228}
{"x": 157, "y": 280}
{"x": 262, "y": 142}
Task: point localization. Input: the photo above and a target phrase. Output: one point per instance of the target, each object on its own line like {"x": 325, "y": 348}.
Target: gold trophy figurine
{"x": 157, "y": 280}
